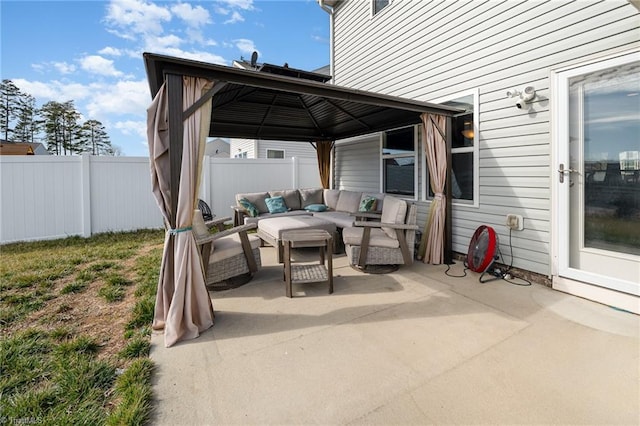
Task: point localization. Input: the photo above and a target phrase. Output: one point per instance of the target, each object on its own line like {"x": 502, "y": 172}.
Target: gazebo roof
{"x": 260, "y": 105}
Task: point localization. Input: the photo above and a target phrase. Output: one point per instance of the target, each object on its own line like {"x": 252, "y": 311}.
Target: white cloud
{"x": 157, "y": 44}
{"x": 64, "y": 67}
{"x": 245, "y": 45}
{"x": 194, "y": 17}
{"x": 239, "y": 4}
{"x": 131, "y": 127}
{"x": 131, "y": 17}
{"x": 124, "y": 97}
{"x": 56, "y": 90}
{"x": 110, "y": 51}
{"x": 235, "y": 17}
{"x": 196, "y": 56}
{"x": 98, "y": 65}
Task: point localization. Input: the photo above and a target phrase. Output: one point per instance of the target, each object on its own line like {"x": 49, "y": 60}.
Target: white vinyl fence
{"x": 47, "y": 197}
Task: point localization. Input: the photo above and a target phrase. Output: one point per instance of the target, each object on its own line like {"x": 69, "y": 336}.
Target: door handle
{"x": 562, "y": 171}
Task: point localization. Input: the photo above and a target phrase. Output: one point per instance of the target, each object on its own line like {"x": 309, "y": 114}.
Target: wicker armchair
{"x": 230, "y": 257}
{"x": 380, "y": 246}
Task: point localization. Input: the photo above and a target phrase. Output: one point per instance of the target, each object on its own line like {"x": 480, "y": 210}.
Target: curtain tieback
{"x": 438, "y": 196}
{"x": 179, "y": 230}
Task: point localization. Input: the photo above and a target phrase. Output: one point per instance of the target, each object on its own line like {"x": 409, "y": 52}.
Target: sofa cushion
{"x": 231, "y": 245}
{"x": 349, "y": 201}
{"x": 331, "y": 197}
{"x": 249, "y": 207}
{"x": 316, "y": 208}
{"x": 377, "y": 238}
{"x": 291, "y": 198}
{"x": 255, "y": 198}
{"x": 310, "y": 196}
{"x": 248, "y": 219}
{"x": 341, "y": 219}
{"x": 393, "y": 211}
{"x": 276, "y": 204}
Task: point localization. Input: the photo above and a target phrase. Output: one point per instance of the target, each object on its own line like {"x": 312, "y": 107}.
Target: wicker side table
{"x": 306, "y": 273}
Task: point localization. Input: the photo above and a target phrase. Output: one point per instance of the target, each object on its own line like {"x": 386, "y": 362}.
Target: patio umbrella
{"x": 183, "y": 307}
{"x": 432, "y": 244}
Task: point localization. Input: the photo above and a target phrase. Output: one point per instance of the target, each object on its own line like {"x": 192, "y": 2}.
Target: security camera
{"x": 527, "y": 95}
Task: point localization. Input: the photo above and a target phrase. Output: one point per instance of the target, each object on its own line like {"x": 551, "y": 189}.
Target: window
{"x": 241, "y": 155}
{"x": 399, "y": 161}
{"x": 275, "y": 153}
{"x": 378, "y": 5}
{"x": 464, "y": 150}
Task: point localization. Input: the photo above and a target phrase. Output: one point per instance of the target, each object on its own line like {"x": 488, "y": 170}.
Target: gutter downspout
{"x": 330, "y": 11}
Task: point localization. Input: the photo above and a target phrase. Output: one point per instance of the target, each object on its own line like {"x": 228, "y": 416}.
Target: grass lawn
{"x": 75, "y": 316}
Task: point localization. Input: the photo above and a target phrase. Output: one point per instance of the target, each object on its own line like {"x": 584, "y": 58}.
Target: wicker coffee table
{"x": 308, "y": 273}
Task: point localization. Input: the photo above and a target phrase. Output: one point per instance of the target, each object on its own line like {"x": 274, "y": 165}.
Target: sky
{"x": 90, "y": 51}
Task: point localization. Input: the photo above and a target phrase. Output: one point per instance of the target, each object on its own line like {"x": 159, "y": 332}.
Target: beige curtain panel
{"x": 183, "y": 306}
{"x": 433, "y": 133}
{"x": 323, "y": 152}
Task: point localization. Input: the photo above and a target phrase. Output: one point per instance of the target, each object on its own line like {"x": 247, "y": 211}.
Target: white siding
{"x": 291, "y": 149}
{"x": 446, "y": 47}
{"x": 357, "y": 164}
{"x": 237, "y": 146}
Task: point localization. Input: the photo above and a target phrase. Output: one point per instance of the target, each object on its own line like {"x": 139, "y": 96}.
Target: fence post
{"x": 205, "y": 179}
{"x": 85, "y": 185}
{"x": 295, "y": 168}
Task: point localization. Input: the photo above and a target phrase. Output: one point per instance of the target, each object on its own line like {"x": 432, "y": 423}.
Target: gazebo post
{"x": 176, "y": 133}
{"x": 448, "y": 239}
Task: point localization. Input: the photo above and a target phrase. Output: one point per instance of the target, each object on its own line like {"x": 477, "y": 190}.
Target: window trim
{"x": 475, "y": 149}
{"x": 373, "y": 8}
{"x": 275, "y": 150}
{"x": 416, "y": 161}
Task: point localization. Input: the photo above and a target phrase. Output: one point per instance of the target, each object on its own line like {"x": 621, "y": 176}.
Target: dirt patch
{"x": 87, "y": 313}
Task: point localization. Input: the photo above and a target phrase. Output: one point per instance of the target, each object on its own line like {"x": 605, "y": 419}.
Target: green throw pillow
{"x": 249, "y": 207}
{"x": 316, "y": 208}
{"x": 276, "y": 204}
{"x": 368, "y": 204}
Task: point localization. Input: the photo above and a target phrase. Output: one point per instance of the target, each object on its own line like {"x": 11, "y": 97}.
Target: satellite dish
{"x": 254, "y": 58}
{"x": 482, "y": 250}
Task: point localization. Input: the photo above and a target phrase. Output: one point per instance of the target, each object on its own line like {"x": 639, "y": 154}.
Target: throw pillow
{"x": 251, "y": 209}
{"x": 368, "y": 204}
{"x": 316, "y": 208}
{"x": 276, "y": 204}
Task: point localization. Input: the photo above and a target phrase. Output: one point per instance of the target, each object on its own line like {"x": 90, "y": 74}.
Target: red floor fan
{"x": 482, "y": 251}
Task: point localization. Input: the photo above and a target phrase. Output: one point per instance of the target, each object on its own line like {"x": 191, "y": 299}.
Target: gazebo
{"x": 192, "y": 100}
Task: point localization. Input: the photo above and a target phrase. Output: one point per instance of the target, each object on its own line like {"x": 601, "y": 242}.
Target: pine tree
{"x": 28, "y": 124}
{"x": 9, "y": 103}
{"x": 95, "y": 139}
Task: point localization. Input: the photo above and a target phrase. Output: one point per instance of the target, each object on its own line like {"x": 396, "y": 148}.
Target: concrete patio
{"x": 412, "y": 347}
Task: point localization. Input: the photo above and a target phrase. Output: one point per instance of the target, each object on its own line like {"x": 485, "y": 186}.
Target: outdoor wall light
{"x": 467, "y": 132}
{"x": 522, "y": 97}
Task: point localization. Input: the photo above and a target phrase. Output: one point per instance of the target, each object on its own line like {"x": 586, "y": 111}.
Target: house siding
{"x": 237, "y": 146}
{"x": 357, "y": 164}
{"x": 291, "y": 149}
{"x": 448, "y": 47}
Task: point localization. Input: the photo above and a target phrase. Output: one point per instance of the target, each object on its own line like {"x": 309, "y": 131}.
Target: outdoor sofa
{"x": 338, "y": 206}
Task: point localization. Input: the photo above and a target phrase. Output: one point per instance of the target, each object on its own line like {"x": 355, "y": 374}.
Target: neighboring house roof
{"x": 285, "y": 70}
{"x": 22, "y": 148}
{"x": 218, "y": 148}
